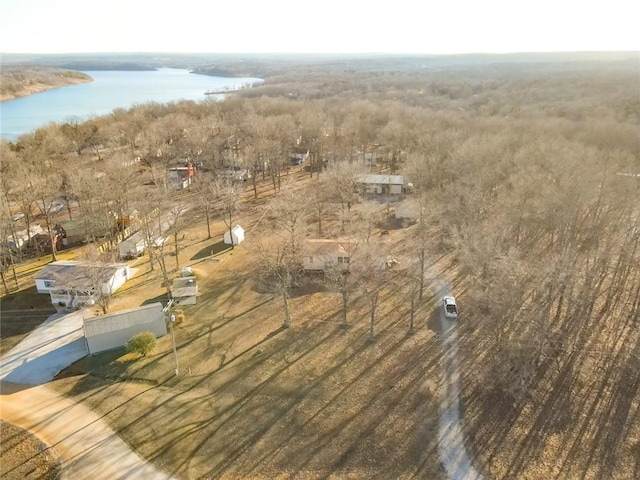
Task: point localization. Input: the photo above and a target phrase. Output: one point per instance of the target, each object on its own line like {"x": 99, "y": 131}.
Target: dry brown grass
{"x": 23, "y": 456}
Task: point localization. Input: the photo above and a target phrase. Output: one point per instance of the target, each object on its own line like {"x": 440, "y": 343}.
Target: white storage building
{"x": 381, "y": 184}
{"x": 235, "y": 236}
{"x": 132, "y": 247}
{"x": 111, "y": 331}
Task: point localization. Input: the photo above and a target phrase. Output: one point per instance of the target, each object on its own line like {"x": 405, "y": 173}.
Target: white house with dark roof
{"x": 73, "y": 284}
{"x": 108, "y": 332}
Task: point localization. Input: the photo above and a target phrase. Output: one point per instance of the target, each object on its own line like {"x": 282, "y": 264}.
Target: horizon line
{"x": 144, "y": 52}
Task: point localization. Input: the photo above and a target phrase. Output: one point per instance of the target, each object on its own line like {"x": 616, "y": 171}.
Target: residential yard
{"x": 254, "y": 400}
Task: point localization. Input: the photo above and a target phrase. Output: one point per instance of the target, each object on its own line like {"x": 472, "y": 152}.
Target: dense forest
{"x": 527, "y": 175}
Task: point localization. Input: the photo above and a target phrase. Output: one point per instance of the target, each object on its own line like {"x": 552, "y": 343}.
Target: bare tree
{"x": 178, "y": 224}
{"x": 318, "y": 202}
{"x": 46, "y": 193}
{"x": 205, "y": 189}
{"x": 338, "y": 276}
{"x": 228, "y": 201}
{"x": 278, "y": 271}
{"x": 154, "y": 225}
{"x": 372, "y": 274}
{"x": 100, "y": 266}
{"x": 288, "y": 211}
{"x": 342, "y": 178}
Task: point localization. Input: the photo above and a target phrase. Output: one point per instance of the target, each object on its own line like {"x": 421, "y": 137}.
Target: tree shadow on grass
{"x": 211, "y": 250}
{"x": 162, "y": 298}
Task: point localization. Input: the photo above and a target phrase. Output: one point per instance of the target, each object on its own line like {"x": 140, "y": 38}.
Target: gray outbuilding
{"x": 111, "y": 331}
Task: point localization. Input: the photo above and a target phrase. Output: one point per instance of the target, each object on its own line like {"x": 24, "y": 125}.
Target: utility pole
{"x": 172, "y": 320}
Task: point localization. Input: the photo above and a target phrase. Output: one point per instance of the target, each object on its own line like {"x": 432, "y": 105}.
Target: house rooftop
{"x": 75, "y": 274}
{"x": 320, "y": 246}
{"x": 117, "y": 321}
{"x": 378, "y": 179}
{"x": 184, "y": 287}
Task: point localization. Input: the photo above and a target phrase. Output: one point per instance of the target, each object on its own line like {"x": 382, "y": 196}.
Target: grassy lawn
{"x": 254, "y": 400}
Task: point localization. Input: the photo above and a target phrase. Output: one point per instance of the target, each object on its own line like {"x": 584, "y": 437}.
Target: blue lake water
{"x": 108, "y": 91}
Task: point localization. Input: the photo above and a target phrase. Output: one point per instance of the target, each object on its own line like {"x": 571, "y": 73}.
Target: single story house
{"x": 73, "y": 284}
{"x": 320, "y": 255}
{"x": 113, "y": 330}
{"x": 234, "y": 237}
{"x": 380, "y": 184}
{"x": 184, "y": 290}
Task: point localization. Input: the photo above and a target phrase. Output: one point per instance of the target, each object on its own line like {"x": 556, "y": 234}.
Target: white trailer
{"x": 132, "y": 247}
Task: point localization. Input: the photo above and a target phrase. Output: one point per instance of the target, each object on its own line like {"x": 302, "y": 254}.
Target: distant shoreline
{"x": 30, "y": 82}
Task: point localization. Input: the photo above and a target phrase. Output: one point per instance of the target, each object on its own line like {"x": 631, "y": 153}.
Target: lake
{"x": 108, "y": 91}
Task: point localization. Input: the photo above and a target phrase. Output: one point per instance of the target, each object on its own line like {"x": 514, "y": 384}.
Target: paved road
{"x": 451, "y": 447}
{"x": 90, "y": 448}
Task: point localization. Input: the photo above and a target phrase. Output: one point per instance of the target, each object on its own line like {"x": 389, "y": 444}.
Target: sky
{"x": 329, "y": 26}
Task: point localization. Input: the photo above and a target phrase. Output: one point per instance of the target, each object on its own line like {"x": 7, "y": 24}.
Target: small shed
{"x": 184, "y": 290}
{"x": 235, "y": 236}
{"x": 132, "y": 247}
{"x": 111, "y": 331}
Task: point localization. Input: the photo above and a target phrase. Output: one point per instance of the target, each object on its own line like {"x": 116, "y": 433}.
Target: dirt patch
{"x": 24, "y": 456}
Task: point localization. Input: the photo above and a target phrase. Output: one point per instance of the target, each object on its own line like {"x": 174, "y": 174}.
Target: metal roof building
{"x": 381, "y": 184}
{"x": 112, "y": 331}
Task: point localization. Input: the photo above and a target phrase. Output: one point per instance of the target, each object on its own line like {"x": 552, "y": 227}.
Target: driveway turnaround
{"x": 50, "y": 348}
{"x": 90, "y": 448}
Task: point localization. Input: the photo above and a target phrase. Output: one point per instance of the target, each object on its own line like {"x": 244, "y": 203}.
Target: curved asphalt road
{"x": 90, "y": 449}
{"x": 453, "y": 454}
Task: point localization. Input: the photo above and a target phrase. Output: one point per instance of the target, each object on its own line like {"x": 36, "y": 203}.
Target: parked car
{"x": 450, "y": 307}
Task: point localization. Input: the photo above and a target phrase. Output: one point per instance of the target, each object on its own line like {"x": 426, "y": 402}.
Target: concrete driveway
{"x": 50, "y": 348}
{"x": 90, "y": 448}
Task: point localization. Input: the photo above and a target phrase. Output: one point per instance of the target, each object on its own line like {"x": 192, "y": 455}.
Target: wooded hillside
{"x": 19, "y": 81}
{"x": 527, "y": 177}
